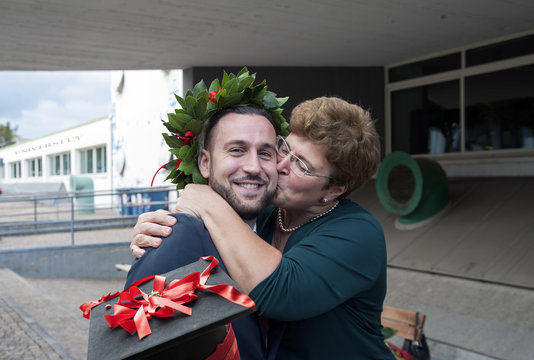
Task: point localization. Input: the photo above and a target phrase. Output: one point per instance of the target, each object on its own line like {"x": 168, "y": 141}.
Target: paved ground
{"x": 486, "y": 319}
{"x": 42, "y": 316}
{"x": 485, "y": 233}
{"x": 21, "y": 340}
{"x": 466, "y": 319}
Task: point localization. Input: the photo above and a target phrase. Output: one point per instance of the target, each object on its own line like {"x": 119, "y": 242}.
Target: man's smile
{"x": 248, "y": 186}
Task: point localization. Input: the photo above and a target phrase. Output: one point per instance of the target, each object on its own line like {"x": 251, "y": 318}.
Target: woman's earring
{"x": 325, "y": 200}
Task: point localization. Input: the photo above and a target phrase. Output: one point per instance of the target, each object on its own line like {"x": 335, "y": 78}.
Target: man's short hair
{"x": 209, "y": 125}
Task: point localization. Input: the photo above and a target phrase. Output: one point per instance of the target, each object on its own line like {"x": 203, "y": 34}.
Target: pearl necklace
{"x": 309, "y": 221}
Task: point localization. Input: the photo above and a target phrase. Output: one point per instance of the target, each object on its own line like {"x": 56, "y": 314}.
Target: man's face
{"x": 241, "y": 162}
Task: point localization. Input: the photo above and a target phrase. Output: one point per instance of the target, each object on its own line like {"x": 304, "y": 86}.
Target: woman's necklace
{"x": 309, "y": 221}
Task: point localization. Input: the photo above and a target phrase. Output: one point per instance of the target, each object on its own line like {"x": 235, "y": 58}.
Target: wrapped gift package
{"x": 178, "y": 336}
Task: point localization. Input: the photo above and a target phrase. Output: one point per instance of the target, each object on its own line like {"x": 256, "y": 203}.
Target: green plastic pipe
{"x": 413, "y": 189}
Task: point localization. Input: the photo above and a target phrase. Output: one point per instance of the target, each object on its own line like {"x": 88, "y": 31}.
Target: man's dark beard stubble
{"x": 245, "y": 212}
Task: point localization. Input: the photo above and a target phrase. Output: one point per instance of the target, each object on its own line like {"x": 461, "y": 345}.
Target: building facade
{"x": 120, "y": 151}
{"x": 83, "y": 150}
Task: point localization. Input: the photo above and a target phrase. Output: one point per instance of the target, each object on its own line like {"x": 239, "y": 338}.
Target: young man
{"x": 238, "y": 158}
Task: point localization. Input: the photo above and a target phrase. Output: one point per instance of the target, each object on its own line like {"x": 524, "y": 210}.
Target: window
{"x": 35, "y": 167}
{"x": 427, "y": 118}
{"x": 101, "y": 160}
{"x": 87, "y": 161}
{"x": 425, "y": 67}
{"x": 56, "y": 166}
{"x": 500, "y": 51}
{"x": 93, "y": 160}
{"x": 475, "y": 108}
{"x": 499, "y": 109}
{"x": 60, "y": 164}
{"x": 15, "y": 170}
{"x": 66, "y": 163}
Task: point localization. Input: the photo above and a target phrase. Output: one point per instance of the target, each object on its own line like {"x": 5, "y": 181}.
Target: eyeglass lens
{"x": 296, "y": 164}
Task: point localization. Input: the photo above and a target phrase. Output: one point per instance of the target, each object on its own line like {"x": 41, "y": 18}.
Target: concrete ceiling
{"x": 163, "y": 34}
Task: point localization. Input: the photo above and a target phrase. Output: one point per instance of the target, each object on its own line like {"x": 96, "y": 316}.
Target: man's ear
{"x": 204, "y": 163}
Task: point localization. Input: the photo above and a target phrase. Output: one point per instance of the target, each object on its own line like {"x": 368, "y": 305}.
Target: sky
{"x": 43, "y": 102}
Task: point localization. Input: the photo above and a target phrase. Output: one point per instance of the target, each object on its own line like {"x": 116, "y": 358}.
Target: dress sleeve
{"x": 335, "y": 261}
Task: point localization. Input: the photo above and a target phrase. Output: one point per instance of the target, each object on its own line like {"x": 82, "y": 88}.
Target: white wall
{"x": 140, "y": 100}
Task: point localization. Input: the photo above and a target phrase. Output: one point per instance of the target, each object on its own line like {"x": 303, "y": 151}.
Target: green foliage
{"x": 388, "y": 332}
{"x": 178, "y": 119}
{"x": 7, "y": 134}
{"x": 194, "y": 125}
{"x": 172, "y": 141}
{"x": 199, "y": 104}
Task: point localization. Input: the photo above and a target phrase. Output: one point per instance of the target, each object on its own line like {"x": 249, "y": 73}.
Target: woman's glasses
{"x": 296, "y": 164}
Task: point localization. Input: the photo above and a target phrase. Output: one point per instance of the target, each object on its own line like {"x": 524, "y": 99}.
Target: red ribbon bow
{"x": 187, "y": 137}
{"x": 132, "y": 314}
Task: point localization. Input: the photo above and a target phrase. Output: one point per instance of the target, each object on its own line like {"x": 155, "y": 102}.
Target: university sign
{"x": 46, "y": 145}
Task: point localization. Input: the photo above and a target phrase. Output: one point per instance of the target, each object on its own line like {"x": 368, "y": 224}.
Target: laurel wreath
{"x": 198, "y": 105}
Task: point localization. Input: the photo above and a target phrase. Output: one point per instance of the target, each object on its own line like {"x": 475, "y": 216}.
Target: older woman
{"x": 318, "y": 271}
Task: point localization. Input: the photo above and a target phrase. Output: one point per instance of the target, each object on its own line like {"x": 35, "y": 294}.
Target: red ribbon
{"x": 133, "y": 315}
{"x": 86, "y": 308}
{"x": 186, "y": 138}
{"x": 178, "y": 162}
{"x": 213, "y": 93}
{"x": 227, "y": 350}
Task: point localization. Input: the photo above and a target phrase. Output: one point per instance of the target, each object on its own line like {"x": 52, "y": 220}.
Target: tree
{"x": 7, "y": 134}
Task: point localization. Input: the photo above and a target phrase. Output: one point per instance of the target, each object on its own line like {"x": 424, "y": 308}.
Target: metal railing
{"x": 37, "y": 213}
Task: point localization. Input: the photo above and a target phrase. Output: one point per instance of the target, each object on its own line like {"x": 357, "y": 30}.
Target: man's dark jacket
{"x": 188, "y": 242}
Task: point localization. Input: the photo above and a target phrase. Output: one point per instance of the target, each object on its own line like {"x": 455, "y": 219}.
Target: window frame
{"x": 35, "y": 167}
{"x": 15, "y": 169}
{"x": 57, "y": 164}
{"x": 92, "y": 160}
{"x": 459, "y": 74}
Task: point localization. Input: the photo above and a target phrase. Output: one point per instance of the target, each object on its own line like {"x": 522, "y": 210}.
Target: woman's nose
{"x": 282, "y": 164}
